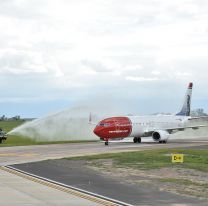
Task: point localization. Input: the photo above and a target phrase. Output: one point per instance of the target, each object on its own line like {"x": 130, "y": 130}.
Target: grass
{"x": 14, "y": 140}
{"x": 9, "y": 125}
{"x": 193, "y": 185}
{"x": 155, "y": 159}
{"x": 183, "y": 182}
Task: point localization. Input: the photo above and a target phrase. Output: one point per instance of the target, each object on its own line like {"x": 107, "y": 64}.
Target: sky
{"x": 137, "y": 55}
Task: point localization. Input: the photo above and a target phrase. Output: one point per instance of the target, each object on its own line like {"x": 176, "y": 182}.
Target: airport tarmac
{"x": 34, "y": 153}
{"x": 18, "y": 191}
{"x": 25, "y": 154}
{"x": 78, "y": 174}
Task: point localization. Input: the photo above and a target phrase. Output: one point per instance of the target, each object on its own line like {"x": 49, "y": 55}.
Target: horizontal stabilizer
{"x": 204, "y": 118}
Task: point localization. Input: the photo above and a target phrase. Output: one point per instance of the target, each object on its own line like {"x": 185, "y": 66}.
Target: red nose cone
{"x": 114, "y": 127}
{"x": 96, "y": 130}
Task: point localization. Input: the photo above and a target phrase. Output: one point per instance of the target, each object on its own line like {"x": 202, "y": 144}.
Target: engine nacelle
{"x": 160, "y": 135}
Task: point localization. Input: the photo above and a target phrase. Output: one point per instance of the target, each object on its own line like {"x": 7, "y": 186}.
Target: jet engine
{"x": 160, "y": 136}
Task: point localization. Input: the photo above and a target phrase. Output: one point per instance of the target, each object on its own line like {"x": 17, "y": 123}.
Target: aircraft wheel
{"x": 135, "y": 140}
{"x": 163, "y": 141}
{"x": 106, "y": 143}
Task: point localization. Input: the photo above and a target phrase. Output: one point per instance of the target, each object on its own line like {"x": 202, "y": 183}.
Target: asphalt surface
{"x": 77, "y": 174}
{"x": 34, "y": 153}
{"x": 19, "y": 191}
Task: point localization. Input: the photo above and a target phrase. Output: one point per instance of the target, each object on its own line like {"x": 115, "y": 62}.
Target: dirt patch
{"x": 176, "y": 180}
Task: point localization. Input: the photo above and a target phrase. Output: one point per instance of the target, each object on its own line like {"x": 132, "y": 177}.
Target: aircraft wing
{"x": 149, "y": 131}
{"x": 170, "y": 130}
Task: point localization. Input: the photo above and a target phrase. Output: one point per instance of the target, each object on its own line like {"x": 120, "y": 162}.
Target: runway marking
{"x": 18, "y": 154}
{"x": 65, "y": 188}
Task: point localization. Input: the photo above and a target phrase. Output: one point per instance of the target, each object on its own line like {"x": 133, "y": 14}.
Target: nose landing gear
{"x": 106, "y": 142}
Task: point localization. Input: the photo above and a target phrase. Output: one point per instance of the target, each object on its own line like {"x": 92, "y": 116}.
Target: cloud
{"x": 21, "y": 9}
{"x": 141, "y": 79}
{"x": 20, "y": 62}
{"x": 155, "y": 72}
{"x": 65, "y": 51}
{"x": 97, "y": 66}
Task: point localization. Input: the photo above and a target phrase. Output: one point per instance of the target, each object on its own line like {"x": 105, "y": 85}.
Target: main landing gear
{"x": 163, "y": 141}
{"x": 137, "y": 140}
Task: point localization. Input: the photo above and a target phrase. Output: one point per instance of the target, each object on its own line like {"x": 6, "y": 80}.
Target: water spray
{"x": 68, "y": 125}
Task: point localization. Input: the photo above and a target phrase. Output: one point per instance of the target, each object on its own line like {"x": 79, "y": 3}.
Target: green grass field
{"x": 154, "y": 168}
{"x": 14, "y": 140}
{"x": 9, "y": 125}
{"x": 155, "y": 159}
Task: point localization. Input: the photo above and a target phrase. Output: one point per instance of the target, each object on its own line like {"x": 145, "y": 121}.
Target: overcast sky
{"x": 137, "y": 54}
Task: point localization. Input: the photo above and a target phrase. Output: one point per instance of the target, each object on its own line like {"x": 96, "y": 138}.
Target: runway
{"x": 24, "y": 154}
{"x": 26, "y": 191}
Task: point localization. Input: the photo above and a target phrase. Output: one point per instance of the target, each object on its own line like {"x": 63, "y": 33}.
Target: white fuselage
{"x": 142, "y": 124}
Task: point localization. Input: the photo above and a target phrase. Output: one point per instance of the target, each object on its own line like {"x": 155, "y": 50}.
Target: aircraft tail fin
{"x": 186, "y": 108}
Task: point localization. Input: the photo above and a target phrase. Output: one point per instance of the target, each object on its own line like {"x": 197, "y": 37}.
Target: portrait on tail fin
{"x": 186, "y": 108}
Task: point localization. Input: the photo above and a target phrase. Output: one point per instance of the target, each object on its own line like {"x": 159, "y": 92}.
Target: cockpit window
{"x": 104, "y": 124}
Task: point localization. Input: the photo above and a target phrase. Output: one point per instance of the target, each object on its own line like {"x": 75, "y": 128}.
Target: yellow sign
{"x": 177, "y": 158}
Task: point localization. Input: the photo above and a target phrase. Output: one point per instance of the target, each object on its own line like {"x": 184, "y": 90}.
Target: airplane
{"x": 158, "y": 126}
